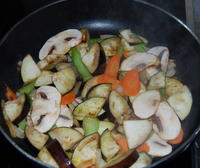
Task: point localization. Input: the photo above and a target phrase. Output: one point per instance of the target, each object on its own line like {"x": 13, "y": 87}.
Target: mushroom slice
{"x": 157, "y": 81}
{"x": 181, "y": 102}
{"x": 138, "y": 60}
{"x": 150, "y": 71}
{"x": 65, "y": 118}
{"x": 143, "y": 161}
{"x": 91, "y": 58}
{"x": 13, "y": 108}
{"x": 168, "y": 125}
{"x": 158, "y": 147}
{"x": 89, "y": 108}
{"x": 173, "y": 86}
{"x": 50, "y": 61}
{"x": 102, "y": 90}
{"x": 61, "y": 43}
{"x": 118, "y": 106}
{"x": 67, "y": 137}
{"x": 163, "y": 54}
{"x": 130, "y": 37}
{"x": 171, "y": 68}
{"x": 146, "y": 104}
{"x": 29, "y": 69}
{"x": 45, "y": 108}
{"x": 64, "y": 80}
{"x": 137, "y": 131}
{"x": 36, "y": 138}
{"x": 45, "y": 78}
{"x": 85, "y": 154}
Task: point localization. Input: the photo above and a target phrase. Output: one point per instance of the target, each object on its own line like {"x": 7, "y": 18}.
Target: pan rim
{"x": 179, "y": 149}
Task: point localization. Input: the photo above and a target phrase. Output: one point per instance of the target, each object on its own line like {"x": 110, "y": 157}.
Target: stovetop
{"x": 10, "y": 158}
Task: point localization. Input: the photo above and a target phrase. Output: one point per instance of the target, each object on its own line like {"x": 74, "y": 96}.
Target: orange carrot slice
{"x": 10, "y": 95}
{"x": 122, "y": 142}
{"x": 112, "y": 66}
{"x": 131, "y": 83}
{"x": 125, "y": 54}
{"x": 178, "y": 139}
{"x": 143, "y": 148}
{"x": 106, "y": 79}
{"x": 68, "y": 98}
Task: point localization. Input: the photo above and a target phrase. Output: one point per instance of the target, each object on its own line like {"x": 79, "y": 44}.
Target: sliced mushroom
{"x": 168, "y": 125}
{"x": 45, "y": 108}
{"x": 181, "y": 102}
{"x": 36, "y": 138}
{"x": 29, "y": 69}
{"x": 61, "y": 43}
{"x": 150, "y": 71}
{"x": 45, "y": 78}
{"x": 146, "y": 104}
{"x": 171, "y": 68}
{"x": 13, "y": 108}
{"x": 158, "y": 147}
{"x": 138, "y": 61}
{"x": 143, "y": 161}
{"x": 65, "y": 118}
{"x": 118, "y": 106}
{"x": 91, "y": 58}
{"x": 50, "y": 61}
{"x": 130, "y": 37}
{"x": 64, "y": 80}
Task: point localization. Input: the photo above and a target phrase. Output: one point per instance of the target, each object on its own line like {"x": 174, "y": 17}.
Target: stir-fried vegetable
{"x": 121, "y": 116}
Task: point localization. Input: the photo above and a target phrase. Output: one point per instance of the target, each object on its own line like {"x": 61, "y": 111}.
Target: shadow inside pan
{"x": 103, "y": 17}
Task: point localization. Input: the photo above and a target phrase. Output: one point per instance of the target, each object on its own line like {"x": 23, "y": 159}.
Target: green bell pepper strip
{"x": 141, "y": 47}
{"x": 94, "y": 40}
{"x": 22, "y": 124}
{"x": 28, "y": 88}
{"x": 80, "y": 66}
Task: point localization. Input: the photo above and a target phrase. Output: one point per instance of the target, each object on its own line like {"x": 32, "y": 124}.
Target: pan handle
{"x": 195, "y": 149}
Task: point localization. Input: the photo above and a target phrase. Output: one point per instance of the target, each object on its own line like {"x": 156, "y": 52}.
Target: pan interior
{"x": 102, "y": 17}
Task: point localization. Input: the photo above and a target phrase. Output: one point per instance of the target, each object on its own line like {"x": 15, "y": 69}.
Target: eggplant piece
{"x": 173, "y": 86}
{"x": 146, "y": 104}
{"x": 89, "y": 108}
{"x": 13, "y": 108}
{"x": 64, "y": 80}
{"x": 143, "y": 161}
{"x": 103, "y": 125}
{"x": 45, "y": 156}
{"x": 67, "y": 137}
{"x": 59, "y": 155}
{"x": 168, "y": 126}
{"x": 80, "y": 129}
{"x": 157, "y": 81}
{"x": 109, "y": 147}
{"x": 91, "y": 58}
{"x": 118, "y": 106}
{"x": 181, "y": 102}
{"x": 123, "y": 160}
{"x": 137, "y": 131}
{"x": 36, "y": 138}
{"x": 100, "y": 163}
{"x": 90, "y": 125}
{"x": 62, "y": 65}
{"x": 151, "y": 71}
{"x": 51, "y": 61}
{"x": 29, "y": 69}
{"x": 45, "y": 78}
{"x": 138, "y": 61}
{"x": 60, "y": 43}
{"x": 85, "y": 154}
{"x": 110, "y": 46}
{"x": 102, "y": 90}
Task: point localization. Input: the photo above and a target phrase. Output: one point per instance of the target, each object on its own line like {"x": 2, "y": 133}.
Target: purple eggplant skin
{"x": 59, "y": 155}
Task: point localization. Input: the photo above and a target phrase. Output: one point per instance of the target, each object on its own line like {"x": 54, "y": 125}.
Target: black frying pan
{"x": 100, "y": 17}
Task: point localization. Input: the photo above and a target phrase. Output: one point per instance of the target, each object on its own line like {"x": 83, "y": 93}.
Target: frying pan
{"x": 103, "y": 17}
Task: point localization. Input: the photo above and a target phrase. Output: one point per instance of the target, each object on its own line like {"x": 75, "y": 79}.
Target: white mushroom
{"x": 45, "y": 108}
{"x": 130, "y": 37}
{"x": 138, "y": 61}
{"x": 146, "y": 104}
{"x": 167, "y": 124}
{"x": 61, "y": 43}
{"x": 65, "y": 118}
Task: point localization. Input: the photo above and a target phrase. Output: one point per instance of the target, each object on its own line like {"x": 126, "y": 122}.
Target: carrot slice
{"x": 178, "y": 139}
{"x": 10, "y": 95}
{"x": 112, "y": 66}
{"x": 106, "y": 79}
{"x": 125, "y": 54}
{"x": 68, "y": 98}
{"x": 122, "y": 142}
{"x": 143, "y": 148}
{"x": 131, "y": 83}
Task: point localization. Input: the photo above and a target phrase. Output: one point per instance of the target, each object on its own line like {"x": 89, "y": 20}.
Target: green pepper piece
{"x": 163, "y": 93}
{"x": 80, "y": 66}
{"x": 94, "y": 40}
{"x": 120, "y": 50}
{"x": 140, "y": 47}
{"x": 22, "y": 124}
{"x": 28, "y": 88}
